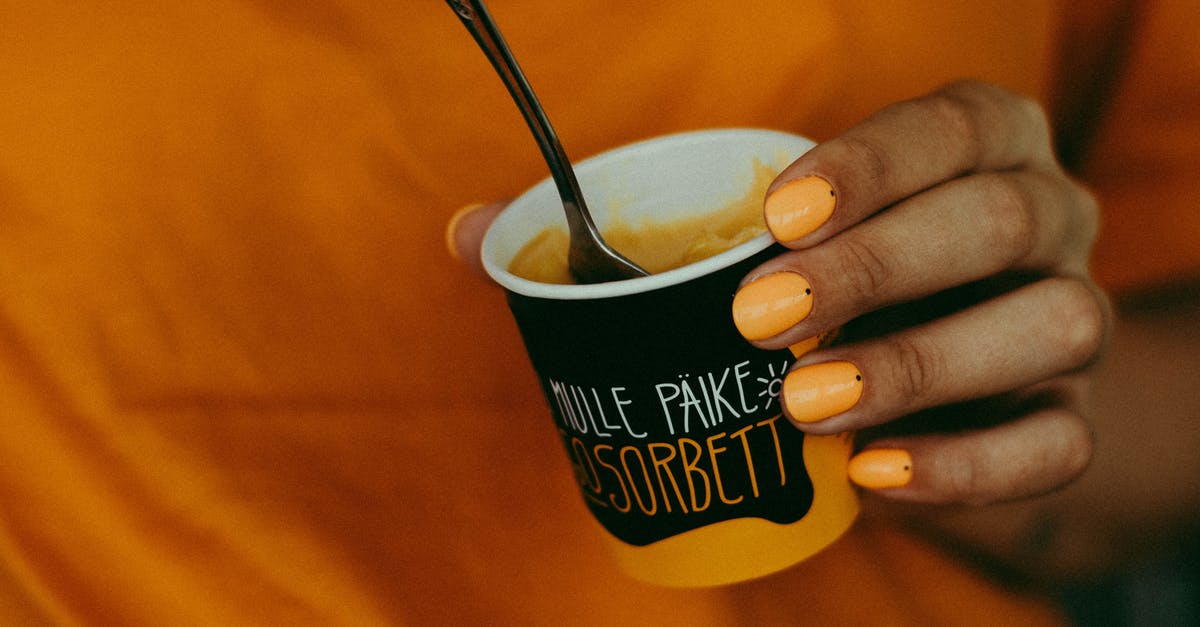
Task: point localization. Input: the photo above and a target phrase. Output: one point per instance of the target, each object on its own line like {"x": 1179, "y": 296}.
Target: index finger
{"x": 901, "y": 150}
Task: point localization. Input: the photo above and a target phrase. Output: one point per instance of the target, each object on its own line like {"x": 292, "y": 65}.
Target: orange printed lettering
{"x": 653, "y": 507}
{"x": 660, "y": 465}
{"x": 612, "y": 498}
{"x": 690, "y": 468}
{"x": 716, "y": 469}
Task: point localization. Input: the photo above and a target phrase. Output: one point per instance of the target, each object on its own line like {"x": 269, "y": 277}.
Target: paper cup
{"x": 669, "y": 417}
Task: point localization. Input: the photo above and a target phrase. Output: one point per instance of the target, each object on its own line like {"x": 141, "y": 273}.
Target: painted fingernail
{"x": 799, "y": 207}
{"x": 452, "y": 228}
{"x": 769, "y": 305}
{"x": 804, "y": 347}
{"x": 881, "y": 468}
{"x": 816, "y": 392}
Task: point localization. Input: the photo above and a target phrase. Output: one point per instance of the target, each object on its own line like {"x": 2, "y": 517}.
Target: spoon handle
{"x": 475, "y": 17}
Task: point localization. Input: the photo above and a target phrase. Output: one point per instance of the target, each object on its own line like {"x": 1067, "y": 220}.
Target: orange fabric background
{"x": 240, "y": 380}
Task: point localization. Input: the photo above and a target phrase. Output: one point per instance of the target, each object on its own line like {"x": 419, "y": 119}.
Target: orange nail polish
{"x": 816, "y": 392}
{"x": 452, "y": 226}
{"x": 806, "y": 346}
{"x": 769, "y": 305}
{"x": 881, "y": 468}
{"x": 799, "y": 207}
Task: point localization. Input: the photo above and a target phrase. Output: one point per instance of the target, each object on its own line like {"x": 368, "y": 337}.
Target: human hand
{"x": 954, "y": 256}
{"x": 946, "y": 239}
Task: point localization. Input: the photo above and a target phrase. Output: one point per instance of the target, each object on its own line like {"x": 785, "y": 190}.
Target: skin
{"x": 956, "y": 262}
{"x": 984, "y": 204}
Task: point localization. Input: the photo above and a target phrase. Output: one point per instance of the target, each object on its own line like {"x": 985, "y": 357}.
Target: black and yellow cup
{"x": 669, "y": 417}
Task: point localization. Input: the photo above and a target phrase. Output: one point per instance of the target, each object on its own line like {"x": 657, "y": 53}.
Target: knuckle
{"x": 1028, "y": 110}
{"x": 869, "y": 161}
{"x": 958, "y": 115}
{"x": 1080, "y": 320}
{"x": 1009, "y": 218}
{"x": 866, "y": 273}
{"x": 984, "y": 94}
{"x": 917, "y": 369}
{"x": 1036, "y": 117}
{"x": 1031, "y": 117}
{"x": 1078, "y": 228}
{"x": 961, "y": 481}
{"x": 1081, "y": 229}
{"x": 1077, "y": 447}
{"x": 982, "y": 106}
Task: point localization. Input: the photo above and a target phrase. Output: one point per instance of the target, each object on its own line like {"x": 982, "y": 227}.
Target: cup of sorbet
{"x": 670, "y": 419}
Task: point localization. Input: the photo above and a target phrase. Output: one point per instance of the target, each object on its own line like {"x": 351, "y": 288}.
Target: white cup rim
{"x": 498, "y": 271}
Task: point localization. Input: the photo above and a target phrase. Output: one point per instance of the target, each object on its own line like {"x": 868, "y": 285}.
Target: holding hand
{"x": 945, "y": 237}
{"x": 945, "y": 240}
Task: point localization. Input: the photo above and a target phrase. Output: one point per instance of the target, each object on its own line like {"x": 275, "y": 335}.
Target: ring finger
{"x": 1028, "y": 335}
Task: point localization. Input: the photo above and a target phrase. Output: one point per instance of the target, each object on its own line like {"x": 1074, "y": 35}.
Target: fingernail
{"x": 798, "y": 207}
{"x": 769, "y": 305}
{"x": 452, "y": 226}
{"x": 881, "y": 468}
{"x": 816, "y": 392}
{"x": 804, "y": 347}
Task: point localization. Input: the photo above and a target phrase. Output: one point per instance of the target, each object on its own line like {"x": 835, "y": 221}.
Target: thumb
{"x": 464, "y": 233}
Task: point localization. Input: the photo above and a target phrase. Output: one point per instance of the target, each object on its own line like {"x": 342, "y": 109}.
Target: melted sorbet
{"x": 655, "y": 246}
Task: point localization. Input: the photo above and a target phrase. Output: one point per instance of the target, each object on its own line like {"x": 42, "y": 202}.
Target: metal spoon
{"x": 590, "y": 259}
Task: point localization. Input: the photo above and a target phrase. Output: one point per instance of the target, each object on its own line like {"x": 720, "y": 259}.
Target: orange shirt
{"x": 242, "y": 383}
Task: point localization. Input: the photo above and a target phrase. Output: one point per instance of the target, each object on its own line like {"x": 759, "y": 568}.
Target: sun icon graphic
{"x": 774, "y": 384}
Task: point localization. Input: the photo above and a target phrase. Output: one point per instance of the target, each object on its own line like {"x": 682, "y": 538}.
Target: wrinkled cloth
{"x": 242, "y": 382}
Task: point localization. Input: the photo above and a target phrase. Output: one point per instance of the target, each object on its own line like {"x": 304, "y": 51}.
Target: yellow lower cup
{"x": 738, "y": 550}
